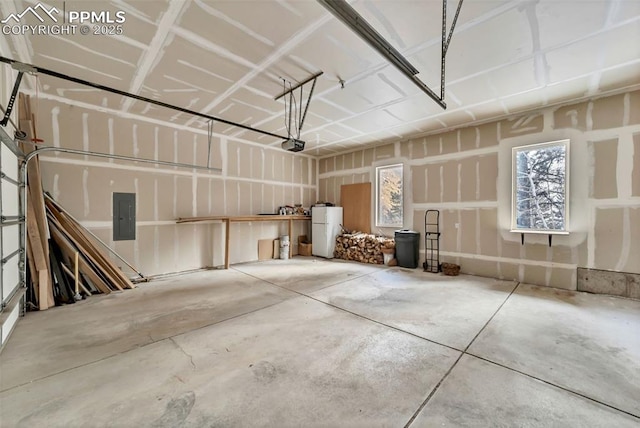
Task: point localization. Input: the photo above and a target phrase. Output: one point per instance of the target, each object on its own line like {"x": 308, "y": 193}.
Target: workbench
{"x": 227, "y": 220}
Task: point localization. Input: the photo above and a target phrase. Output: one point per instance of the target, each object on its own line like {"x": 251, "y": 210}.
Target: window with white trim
{"x": 540, "y": 188}
{"x": 389, "y": 196}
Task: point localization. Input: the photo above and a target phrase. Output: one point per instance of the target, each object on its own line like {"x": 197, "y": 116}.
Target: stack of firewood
{"x": 362, "y": 247}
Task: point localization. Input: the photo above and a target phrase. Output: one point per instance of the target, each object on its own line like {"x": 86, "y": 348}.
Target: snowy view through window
{"x": 389, "y": 201}
{"x": 540, "y": 187}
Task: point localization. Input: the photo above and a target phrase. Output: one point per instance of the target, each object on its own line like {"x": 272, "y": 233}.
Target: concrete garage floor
{"x": 309, "y": 342}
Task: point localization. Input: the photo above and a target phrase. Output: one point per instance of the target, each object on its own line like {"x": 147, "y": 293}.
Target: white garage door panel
{"x": 11, "y": 295}
{"x": 10, "y": 240}
{"x": 9, "y": 163}
{"x": 10, "y": 277}
{"x": 9, "y": 199}
{"x": 10, "y": 322}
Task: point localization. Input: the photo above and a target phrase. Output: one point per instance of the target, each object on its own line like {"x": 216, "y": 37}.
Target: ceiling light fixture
{"x": 352, "y": 19}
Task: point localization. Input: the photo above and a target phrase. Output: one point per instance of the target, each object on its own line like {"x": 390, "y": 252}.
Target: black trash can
{"x": 407, "y": 248}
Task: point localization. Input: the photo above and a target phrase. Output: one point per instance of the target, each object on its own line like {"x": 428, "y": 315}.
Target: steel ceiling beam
{"x": 20, "y": 65}
{"x": 352, "y": 19}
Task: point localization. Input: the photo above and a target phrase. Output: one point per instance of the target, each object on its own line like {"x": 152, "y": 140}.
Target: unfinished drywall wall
{"x": 466, "y": 174}
{"x": 254, "y": 179}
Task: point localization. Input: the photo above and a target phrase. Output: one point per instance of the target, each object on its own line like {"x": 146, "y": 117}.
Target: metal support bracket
{"x": 301, "y": 115}
{"x": 11, "y": 218}
{"x": 304, "y": 82}
{"x": 5, "y": 177}
{"x": 10, "y": 256}
{"x": 10, "y": 143}
{"x": 209, "y": 137}
{"x": 446, "y": 40}
{"x": 12, "y": 100}
{"x": 522, "y": 238}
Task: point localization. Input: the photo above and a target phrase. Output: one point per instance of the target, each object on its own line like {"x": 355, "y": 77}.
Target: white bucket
{"x": 284, "y": 247}
{"x": 284, "y": 250}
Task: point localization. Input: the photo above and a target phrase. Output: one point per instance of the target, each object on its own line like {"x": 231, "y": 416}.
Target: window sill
{"x": 541, "y": 232}
{"x": 549, "y": 233}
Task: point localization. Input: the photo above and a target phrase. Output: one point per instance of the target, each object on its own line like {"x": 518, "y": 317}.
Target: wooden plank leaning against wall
{"x": 37, "y": 233}
{"x": 75, "y": 254}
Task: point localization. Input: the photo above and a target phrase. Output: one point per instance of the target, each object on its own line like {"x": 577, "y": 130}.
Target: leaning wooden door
{"x": 355, "y": 200}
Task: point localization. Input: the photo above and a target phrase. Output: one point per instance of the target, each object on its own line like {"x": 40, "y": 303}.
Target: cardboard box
{"x": 265, "y": 249}
{"x": 276, "y": 248}
{"x": 304, "y": 246}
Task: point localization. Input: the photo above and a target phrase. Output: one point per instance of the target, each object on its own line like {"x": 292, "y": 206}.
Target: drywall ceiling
{"x": 228, "y": 59}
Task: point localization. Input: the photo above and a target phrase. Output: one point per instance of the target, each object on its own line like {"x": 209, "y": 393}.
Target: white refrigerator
{"x": 325, "y": 227}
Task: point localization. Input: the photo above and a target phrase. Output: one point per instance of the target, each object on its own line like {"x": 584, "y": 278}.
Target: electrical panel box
{"x": 124, "y": 216}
